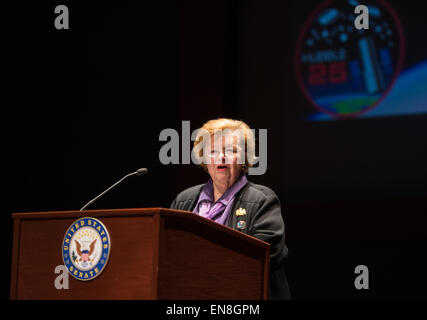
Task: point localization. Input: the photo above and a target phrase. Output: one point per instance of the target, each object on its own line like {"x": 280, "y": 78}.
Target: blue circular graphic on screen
{"x": 345, "y": 71}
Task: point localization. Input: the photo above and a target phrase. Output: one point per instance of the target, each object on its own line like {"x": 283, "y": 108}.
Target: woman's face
{"x": 224, "y": 159}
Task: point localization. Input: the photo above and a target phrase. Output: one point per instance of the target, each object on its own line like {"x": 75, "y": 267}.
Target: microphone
{"x": 139, "y": 172}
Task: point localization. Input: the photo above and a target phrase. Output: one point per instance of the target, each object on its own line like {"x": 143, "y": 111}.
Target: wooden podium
{"x": 156, "y": 253}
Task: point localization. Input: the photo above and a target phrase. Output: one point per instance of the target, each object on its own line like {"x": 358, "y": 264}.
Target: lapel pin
{"x": 240, "y": 212}
{"x": 241, "y": 224}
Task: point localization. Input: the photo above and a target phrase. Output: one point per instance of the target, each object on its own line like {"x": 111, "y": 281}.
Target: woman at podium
{"x": 225, "y": 150}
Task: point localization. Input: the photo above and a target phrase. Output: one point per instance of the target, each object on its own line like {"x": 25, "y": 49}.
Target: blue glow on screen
{"x": 408, "y": 96}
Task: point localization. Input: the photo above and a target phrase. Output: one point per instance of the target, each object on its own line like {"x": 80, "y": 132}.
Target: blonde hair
{"x": 220, "y": 124}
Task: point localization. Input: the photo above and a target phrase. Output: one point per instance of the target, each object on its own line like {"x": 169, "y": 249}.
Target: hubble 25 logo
{"x": 347, "y": 64}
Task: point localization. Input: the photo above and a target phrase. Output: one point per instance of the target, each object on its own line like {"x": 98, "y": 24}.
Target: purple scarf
{"x": 219, "y": 210}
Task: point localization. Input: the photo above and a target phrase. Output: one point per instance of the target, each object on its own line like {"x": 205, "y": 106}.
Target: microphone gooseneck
{"x": 139, "y": 172}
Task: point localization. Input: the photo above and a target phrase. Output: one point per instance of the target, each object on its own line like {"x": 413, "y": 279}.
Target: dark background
{"x": 85, "y": 106}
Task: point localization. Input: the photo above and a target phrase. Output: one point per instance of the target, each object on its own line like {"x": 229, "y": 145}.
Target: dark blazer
{"x": 263, "y": 220}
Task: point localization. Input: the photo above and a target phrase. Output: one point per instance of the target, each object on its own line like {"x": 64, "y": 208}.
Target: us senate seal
{"x": 86, "y": 248}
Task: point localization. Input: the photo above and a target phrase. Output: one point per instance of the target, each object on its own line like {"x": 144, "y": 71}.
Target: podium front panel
{"x": 129, "y": 273}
